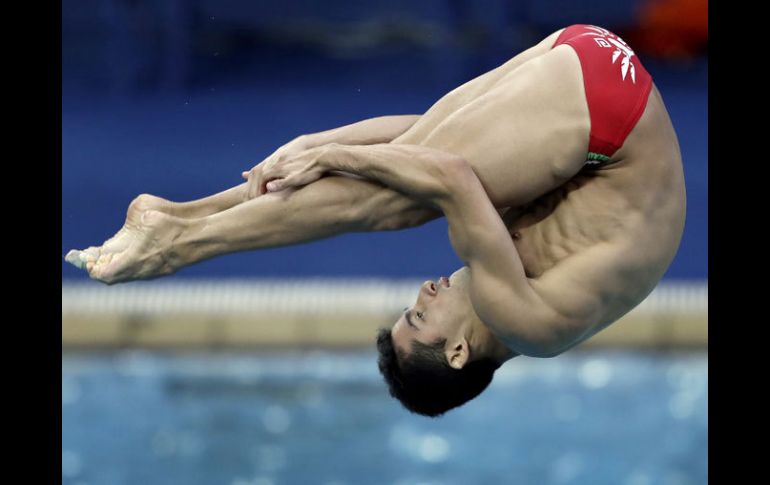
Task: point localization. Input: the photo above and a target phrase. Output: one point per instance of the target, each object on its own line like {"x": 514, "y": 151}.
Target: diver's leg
{"x": 145, "y": 202}
{"x": 192, "y": 209}
{"x": 470, "y": 91}
{"x": 154, "y": 243}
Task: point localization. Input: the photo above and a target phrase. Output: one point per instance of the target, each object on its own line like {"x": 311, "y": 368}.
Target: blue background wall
{"x": 176, "y": 98}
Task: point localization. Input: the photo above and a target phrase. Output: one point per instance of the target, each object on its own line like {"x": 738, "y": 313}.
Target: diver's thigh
{"x": 526, "y": 135}
{"x": 470, "y": 91}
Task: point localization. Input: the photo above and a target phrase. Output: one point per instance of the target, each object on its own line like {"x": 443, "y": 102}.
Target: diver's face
{"x": 438, "y": 313}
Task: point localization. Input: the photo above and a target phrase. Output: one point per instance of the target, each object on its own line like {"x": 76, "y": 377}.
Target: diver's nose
{"x": 429, "y": 287}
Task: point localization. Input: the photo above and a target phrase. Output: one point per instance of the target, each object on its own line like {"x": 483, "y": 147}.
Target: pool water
{"x": 318, "y": 417}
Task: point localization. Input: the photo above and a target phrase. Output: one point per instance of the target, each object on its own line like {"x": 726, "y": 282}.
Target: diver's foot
{"x": 121, "y": 240}
{"x": 142, "y": 249}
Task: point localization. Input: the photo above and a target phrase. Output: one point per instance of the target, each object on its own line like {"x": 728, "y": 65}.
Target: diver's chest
{"x": 554, "y": 228}
{"x": 542, "y": 244}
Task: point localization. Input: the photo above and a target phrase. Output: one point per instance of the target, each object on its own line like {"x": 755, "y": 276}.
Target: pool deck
{"x": 314, "y": 314}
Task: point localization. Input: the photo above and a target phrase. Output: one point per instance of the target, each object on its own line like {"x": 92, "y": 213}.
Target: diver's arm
{"x": 382, "y": 129}
{"x": 503, "y": 296}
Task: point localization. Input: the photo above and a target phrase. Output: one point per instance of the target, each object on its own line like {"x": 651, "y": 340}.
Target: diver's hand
{"x": 302, "y": 169}
{"x": 256, "y": 180}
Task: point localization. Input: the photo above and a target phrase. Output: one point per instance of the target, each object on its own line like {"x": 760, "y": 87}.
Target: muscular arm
{"x": 383, "y": 129}
{"x": 502, "y": 295}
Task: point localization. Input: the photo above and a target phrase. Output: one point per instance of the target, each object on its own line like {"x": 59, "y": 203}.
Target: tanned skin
{"x": 553, "y": 252}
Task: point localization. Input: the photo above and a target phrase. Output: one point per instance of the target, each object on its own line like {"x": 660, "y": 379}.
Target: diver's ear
{"x": 457, "y": 354}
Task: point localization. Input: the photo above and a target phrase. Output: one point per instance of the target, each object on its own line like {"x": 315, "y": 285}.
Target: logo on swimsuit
{"x": 609, "y": 39}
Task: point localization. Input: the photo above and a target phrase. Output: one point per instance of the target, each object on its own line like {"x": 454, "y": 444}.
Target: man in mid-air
{"x": 559, "y": 174}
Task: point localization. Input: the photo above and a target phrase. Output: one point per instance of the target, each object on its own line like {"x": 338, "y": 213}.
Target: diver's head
{"x": 439, "y": 354}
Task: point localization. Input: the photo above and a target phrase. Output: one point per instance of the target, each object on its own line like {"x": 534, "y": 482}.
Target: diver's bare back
{"x": 621, "y": 223}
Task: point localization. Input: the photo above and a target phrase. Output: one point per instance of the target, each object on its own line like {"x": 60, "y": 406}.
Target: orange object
{"x": 671, "y": 29}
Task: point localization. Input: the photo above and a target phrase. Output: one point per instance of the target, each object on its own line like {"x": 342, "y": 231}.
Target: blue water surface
{"x": 313, "y": 417}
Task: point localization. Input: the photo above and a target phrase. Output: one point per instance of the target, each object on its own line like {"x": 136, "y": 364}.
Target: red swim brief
{"x": 617, "y": 87}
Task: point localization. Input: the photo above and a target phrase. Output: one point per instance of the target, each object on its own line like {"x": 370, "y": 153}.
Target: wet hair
{"x": 424, "y": 381}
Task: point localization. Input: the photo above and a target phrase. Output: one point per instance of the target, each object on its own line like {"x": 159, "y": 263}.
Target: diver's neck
{"x": 485, "y": 344}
